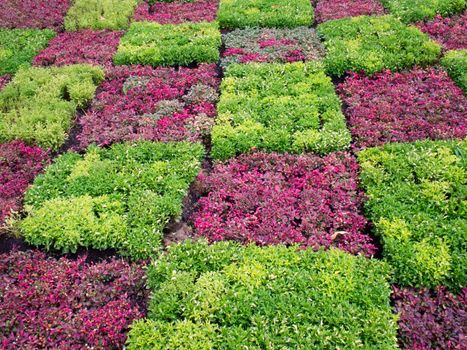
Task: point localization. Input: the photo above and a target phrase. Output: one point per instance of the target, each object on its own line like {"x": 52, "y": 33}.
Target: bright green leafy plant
{"x": 155, "y": 44}
{"x": 39, "y": 104}
{"x": 415, "y": 10}
{"x": 455, "y": 63}
{"x": 119, "y": 198}
{"x": 416, "y": 198}
{"x": 19, "y": 46}
{"x": 278, "y": 107}
{"x": 374, "y": 43}
{"x": 225, "y": 296}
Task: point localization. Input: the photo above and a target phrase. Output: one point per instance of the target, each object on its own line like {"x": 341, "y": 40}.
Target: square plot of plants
{"x": 416, "y": 10}
{"x": 118, "y": 198}
{"x": 416, "y": 200}
{"x": 38, "y": 106}
{"x": 271, "y": 45}
{"x": 403, "y": 107}
{"x": 162, "y": 104}
{"x": 226, "y": 296}
{"x": 455, "y": 63}
{"x": 270, "y": 198}
{"x": 374, "y": 43}
{"x": 86, "y": 46}
{"x": 278, "y": 107}
{"x": 153, "y": 44}
{"x": 175, "y": 12}
{"x": 327, "y": 10}
{"x": 33, "y": 13}
{"x": 19, "y": 46}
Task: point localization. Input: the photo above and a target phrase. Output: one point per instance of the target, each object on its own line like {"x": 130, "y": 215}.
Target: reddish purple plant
{"x": 4, "y": 79}
{"x": 162, "y": 104}
{"x": 177, "y": 12}
{"x": 327, "y": 10}
{"x": 19, "y": 164}
{"x": 86, "y": 46}
{"x": 67, "y": 304}
{"x": 33, "y": 13}
{"x": 271, "y": 198}
{"x": 450, "y": 32}
{"x": 431, "y": 320}
{"x": 403, "y": 107}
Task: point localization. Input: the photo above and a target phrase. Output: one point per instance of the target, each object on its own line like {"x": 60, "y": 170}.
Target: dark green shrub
{"x": 416, "y": 10}
{"x": 416, "y": 199}
{"x": 155, "y": 44}
{"x": 278, "y": 107}
{"x": 455, "y": 63}
{"x": 120, "y": 198}
{"x": 19, "y": 46}
{"x": 100, "y": 14}
{"x": 39, "y": 104}
{"x": 374, "y": 43}
{"x": 225, "y": 296}
{"x": 265, "y": 13}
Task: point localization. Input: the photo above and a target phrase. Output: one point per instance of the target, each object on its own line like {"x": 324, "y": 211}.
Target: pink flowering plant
{"x": 162, "y": 104}
{"x": 403, "y": 107}
{"x": 67, "y": 304}
{"x": 85, "y": 46}
{"x": 19, "y": 164}
{"x": 4, "y": 79}
{"x": 177, "y": 11}
{"x": 271, "y": 45}
{"x": 269, "y": 198}
{"x": 327, "y": 10}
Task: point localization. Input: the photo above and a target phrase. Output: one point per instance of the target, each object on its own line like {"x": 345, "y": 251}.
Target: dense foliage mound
{"x": 451, "y": 32}
{"x": 455, "y": 63}
{"x": 327, "y": 10}
{"x": 415, "y": 10}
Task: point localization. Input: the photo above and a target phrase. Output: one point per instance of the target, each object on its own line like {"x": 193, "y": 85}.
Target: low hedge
{"x": 19, "y": 46}
{"x": 277, "y": 107}
{"x": 154, "y": 44}
{"x": 455, "y": 63}
{"x": 415, "y": 10}
{"x": 119, "y": 198}
{"x": 39, "y": 104}
{"x": 374, "y": 43}
{"x": 225, "y": 296}
{"x": 100, "y": 14}
{"x": 416, "y": 199}
{"x": 265, "y": 13}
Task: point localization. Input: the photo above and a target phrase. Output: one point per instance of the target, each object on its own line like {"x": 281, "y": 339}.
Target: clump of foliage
{"x": 4, "y": 79}
{"x": 451, "y": 32}
{"x": 265, "y": 13}
{"x": 119, "y": 198}
{"x": 374, "y": 43}
{"x": 67, "y": 304}
{"x": 33, "y": 13}
{"x": 455, "y": 63}
{"x": 272, "y": 199}
{"x": 225, "y": 296}
{"x": 154, "y": 44}
{"x": 416, "y": 199}
{"x": 162, "y": 104}
{"x": 100, "y": 14}
{"x": 19, "y": 164}
{"x": 19, "y": 46}
{"x": 416, "y": 10}
{"x": 271, "y": 45}
{"x": 85, "y": 46}
{"x": 39, "y": 104}
{"x": 408, "y": 106}
{"x": 277, "y": 107}
{"x": 176, "y": 12}
{"x": 431, "y": 319}
{"x": 327, "y": 10}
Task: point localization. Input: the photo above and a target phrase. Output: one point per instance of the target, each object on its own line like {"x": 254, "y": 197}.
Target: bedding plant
{"x": 327, "y": 10}
{"x": 4, "y": 80}
{"x": 455, "y": 63}
{"x": 416, "y": 10}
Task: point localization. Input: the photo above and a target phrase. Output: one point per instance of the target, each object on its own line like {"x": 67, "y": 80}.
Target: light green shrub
{"x": 416, "y": 10}
{"x": 455, "y": 63}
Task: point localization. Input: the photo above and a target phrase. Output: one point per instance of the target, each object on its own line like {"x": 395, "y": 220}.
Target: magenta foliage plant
{"x": 327, "y": 10}
{"x": 4, "y": 79}
{"x": 271, "y": 198}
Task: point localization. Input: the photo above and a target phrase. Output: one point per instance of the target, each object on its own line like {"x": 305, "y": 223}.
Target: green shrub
{"x": 372, "y": 43}
{"x": 455, "y": 63}
{"x": 278, "y": 107}
{"x": 19, "y": 46}
{"x": 100, "y": 14}
{"x": 416, "y": 10}
{"x": 227, "y": 296}
{"x": 39, "y": 104}
{"x": 416, "y": 198}
{"x": 120, "y": 198}
{"x": 154, "y": 44}
{"x": 265, "y": 13}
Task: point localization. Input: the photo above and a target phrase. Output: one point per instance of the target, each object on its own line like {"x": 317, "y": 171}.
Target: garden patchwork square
{"x": 455, "y": 63}
{"x": 415, "y": 10}
{"x": 327, "y": 10}
{"x": 450, "y": 32}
